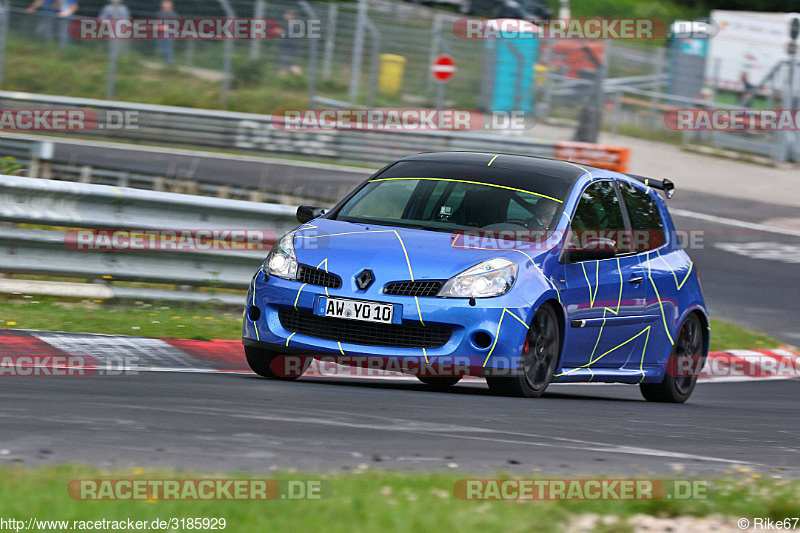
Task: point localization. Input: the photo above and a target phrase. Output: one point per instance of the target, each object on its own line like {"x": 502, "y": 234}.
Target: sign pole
{"x": 442, "y": 69}
{"x": 440, "y": 95}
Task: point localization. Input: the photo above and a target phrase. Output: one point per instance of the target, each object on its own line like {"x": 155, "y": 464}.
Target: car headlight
{"x": 281, "y": 260}
{"x": 490, "y": 278}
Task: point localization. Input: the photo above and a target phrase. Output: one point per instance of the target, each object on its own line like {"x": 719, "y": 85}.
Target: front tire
{"x": 538, "y": 361}
{"x": 271, "y": 365}
{"x": 678, "y": 388}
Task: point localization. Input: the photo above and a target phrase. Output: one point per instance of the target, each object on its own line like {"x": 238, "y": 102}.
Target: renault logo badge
{"x": 365, "y": 279}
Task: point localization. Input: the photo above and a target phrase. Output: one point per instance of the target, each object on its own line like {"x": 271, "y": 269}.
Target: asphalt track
{"x": 238, "y": 421}
{"x": 216, "y": 422}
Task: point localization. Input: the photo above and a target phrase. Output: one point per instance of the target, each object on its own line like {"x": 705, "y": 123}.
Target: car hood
{"x": 393, "y": 253}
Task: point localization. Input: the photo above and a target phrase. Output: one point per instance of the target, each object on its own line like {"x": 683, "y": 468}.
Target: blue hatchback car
{"x": 523, "y": 270}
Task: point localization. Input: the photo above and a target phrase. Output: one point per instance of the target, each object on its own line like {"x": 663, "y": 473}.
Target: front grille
{"x": 364, "y": 333}
{"x": 414, "y": 288}
{"x": 315, "y": 276}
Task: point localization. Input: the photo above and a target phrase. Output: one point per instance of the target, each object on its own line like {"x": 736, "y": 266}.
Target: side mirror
{"x": 593, "y": 250}
{"x": 307, "y": 213}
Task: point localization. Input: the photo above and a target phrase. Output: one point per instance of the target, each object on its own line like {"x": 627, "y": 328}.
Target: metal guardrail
{"x": 184, "y": 171}
{"x": 79, "y": 205}
{"x": 245, "y": 132}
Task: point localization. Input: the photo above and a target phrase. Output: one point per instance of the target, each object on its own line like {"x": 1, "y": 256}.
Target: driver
{"x": 543, "y": 212}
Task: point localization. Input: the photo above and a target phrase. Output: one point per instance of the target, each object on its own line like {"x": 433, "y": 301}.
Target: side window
{"x": 598, "y": 215}
{"x": 646, "y": 223}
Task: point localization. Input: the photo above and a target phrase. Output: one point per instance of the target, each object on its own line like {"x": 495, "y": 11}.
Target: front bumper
{"x": 503, "y": 319}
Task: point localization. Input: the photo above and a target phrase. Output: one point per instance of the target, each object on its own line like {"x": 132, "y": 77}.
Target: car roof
{"x": 525, "y": 163}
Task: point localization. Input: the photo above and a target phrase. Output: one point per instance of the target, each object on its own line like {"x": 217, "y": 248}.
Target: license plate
{"x": 355, "y": 310}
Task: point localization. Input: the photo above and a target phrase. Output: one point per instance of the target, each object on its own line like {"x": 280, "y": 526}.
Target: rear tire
{"x": 538, "y": 361}
{"x": 439, "y": 382}
{"x": 264, "y": 363}
{"x": 677, "y": 389}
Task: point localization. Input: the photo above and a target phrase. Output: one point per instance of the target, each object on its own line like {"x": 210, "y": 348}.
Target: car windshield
{"x": 448, "y": 204}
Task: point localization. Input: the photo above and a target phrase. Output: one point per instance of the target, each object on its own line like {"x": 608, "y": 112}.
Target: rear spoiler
{"x": 665, "y": 185}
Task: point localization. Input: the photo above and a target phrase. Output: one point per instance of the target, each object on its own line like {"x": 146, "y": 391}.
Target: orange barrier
{"x": 570, "y": 55}
{"x": 598, "y": 155}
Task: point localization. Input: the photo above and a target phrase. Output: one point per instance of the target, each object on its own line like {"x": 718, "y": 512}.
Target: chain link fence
{"x": 342, "y": 62}
{"x": 370, "y": 55}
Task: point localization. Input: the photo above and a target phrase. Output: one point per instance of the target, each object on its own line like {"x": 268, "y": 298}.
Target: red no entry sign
{"x": 443, "y": 68}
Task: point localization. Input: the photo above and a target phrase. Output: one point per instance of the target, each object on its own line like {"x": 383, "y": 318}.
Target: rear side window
{"x": 646, "y": 223}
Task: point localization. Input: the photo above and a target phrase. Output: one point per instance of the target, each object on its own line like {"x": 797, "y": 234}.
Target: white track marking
{"x": 143, "y": 351}
{"x": 734, "y": 222}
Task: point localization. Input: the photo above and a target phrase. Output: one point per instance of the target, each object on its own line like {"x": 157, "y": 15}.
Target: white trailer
{"x": 747, "y": 42}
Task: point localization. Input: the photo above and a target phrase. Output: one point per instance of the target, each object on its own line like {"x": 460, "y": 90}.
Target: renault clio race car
{"x": 522, "y": 270}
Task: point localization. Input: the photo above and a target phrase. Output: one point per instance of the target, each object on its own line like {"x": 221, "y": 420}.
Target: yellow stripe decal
{"x": 405, "y": 252}
{"x": 606, "y": 353}
{"x": 518, "y": 318}
{"x": 660, "y": 303}
{"x": 290, "y": 337}
{"x": 592, "y": 294}
{"x": 475, "y": 183}
{"x": 641, "y": 363}
{"x": 324, "y": 262}
{"x": 679, "y": 286}
{"x": 419, "y": 311}
{"x": 619, "y": 300}
{"x": 298, "y": 296}
{"x": 497, "y": 334}
{"x": 492, "y": 161}
{"x": 255, "y": 327}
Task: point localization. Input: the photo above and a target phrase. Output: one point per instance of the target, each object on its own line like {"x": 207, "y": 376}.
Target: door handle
{"x": 636, "y": 279}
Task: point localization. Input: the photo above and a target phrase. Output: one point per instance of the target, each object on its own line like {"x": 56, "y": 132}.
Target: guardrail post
{"x": 33, "y": 170}
{"x": 85, "y": 175}
{"x": 46, "y": 171}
